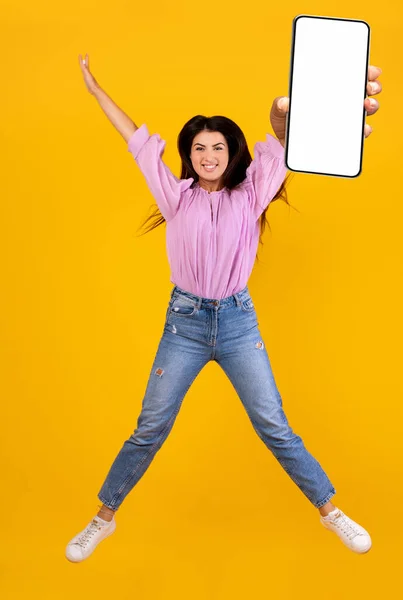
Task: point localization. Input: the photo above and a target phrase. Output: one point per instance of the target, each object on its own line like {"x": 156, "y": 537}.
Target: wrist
{"x": 95, "y": 89}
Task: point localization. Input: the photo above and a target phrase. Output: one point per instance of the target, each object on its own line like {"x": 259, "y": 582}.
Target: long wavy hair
{"x": 238, "y": 161}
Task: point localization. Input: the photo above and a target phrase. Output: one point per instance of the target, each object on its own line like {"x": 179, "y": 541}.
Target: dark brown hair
{"x": 238, "y": 161}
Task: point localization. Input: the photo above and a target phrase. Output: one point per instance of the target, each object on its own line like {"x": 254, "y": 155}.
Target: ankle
{"x": 326, "y": 508}
{"x": 105, "y": 513}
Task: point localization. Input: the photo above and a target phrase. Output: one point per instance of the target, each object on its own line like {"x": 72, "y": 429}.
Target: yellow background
{"x": 83, "y": 303}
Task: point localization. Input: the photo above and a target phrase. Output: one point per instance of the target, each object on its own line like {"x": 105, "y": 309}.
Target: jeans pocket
{"x": 247, "y": 305}
{"x": 182, "y": 307}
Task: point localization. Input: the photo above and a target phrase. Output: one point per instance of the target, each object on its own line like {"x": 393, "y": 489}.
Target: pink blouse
{"x": 211, "y": 238}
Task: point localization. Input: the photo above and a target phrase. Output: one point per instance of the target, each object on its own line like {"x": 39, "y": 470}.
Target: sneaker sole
{"x": 95, "y": 547}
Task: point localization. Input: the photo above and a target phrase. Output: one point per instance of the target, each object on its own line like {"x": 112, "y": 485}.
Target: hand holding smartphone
{"x": 325, "y": 123}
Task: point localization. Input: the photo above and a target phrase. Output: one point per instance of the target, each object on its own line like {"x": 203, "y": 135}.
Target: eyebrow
{"x": 199, "y": 144}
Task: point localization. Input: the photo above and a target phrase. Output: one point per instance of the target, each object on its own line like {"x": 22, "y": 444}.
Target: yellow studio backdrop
{"x": 83, "y": 303}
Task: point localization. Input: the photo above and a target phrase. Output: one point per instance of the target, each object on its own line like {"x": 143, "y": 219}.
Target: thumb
{"x": 278, "y": 115}
{"x": 283, "y": 104}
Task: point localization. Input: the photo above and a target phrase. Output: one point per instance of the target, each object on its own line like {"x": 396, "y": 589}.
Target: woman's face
{"x": 209, "y": 148}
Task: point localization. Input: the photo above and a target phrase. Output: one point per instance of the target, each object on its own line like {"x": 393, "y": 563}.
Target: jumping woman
{"x": 213, "y": 214}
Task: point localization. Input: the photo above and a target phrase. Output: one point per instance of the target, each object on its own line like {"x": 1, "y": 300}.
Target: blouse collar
{"x": 198, "y": 186}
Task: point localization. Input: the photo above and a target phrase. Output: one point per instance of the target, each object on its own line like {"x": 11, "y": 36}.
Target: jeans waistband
{"x": 200, "y": 301}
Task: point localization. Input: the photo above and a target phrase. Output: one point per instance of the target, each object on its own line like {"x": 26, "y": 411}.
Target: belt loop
{"x": 237, "y": 300}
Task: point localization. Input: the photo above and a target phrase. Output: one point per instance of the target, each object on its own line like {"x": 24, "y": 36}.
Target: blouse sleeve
{"x": 147, "y": 151}
{"x": 265, "y": 173}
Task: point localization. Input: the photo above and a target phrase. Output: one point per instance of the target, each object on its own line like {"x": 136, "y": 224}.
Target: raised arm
{"x": 147, "y": 150}
{"x": 117, "y": 117}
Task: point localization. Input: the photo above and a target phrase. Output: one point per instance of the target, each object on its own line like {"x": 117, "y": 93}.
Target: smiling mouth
{"x": 209, "y": 169}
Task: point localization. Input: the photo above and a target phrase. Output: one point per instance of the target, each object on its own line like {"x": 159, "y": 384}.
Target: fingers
{"x": 371, "y": 105}
{"x": 84, "y": 62}
{"x": 373, "y": 72}
{"x": 367, "y": 130}
{"x": 374, "y": 87}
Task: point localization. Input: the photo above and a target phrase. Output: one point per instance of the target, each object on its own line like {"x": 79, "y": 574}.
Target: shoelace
{"x": 348, "y": 528}
{"x": 86, "y": 535}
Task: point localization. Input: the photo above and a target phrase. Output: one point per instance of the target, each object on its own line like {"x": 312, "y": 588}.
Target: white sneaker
{"x": 351, "y": 534}
{"x": 84, "y": 543}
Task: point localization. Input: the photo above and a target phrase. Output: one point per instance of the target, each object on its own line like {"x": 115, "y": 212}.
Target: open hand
{"x": 280, "y": 105}
{"x": 89, "y": 79}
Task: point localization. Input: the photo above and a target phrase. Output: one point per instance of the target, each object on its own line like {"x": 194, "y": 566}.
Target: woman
{"x": 212, "y": 214}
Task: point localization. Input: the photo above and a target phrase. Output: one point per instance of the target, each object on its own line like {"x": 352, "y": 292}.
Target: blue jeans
{"x": 196, "y": 331}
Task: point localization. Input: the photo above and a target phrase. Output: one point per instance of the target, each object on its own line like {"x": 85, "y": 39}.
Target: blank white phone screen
{"x": 327, "y": 88}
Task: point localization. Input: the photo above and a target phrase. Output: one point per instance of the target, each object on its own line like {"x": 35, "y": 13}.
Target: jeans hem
{"x": 114, "y": 508}
{"x": 325, "y": 500}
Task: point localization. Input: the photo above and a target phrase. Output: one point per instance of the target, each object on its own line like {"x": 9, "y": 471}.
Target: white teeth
{"x": 209, "y": 167}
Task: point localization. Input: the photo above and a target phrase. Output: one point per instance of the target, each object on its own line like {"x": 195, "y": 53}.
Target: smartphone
{"x": 327, "y": 88}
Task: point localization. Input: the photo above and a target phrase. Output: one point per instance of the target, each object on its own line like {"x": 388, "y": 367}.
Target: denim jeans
{"x": 198, "y": 330}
